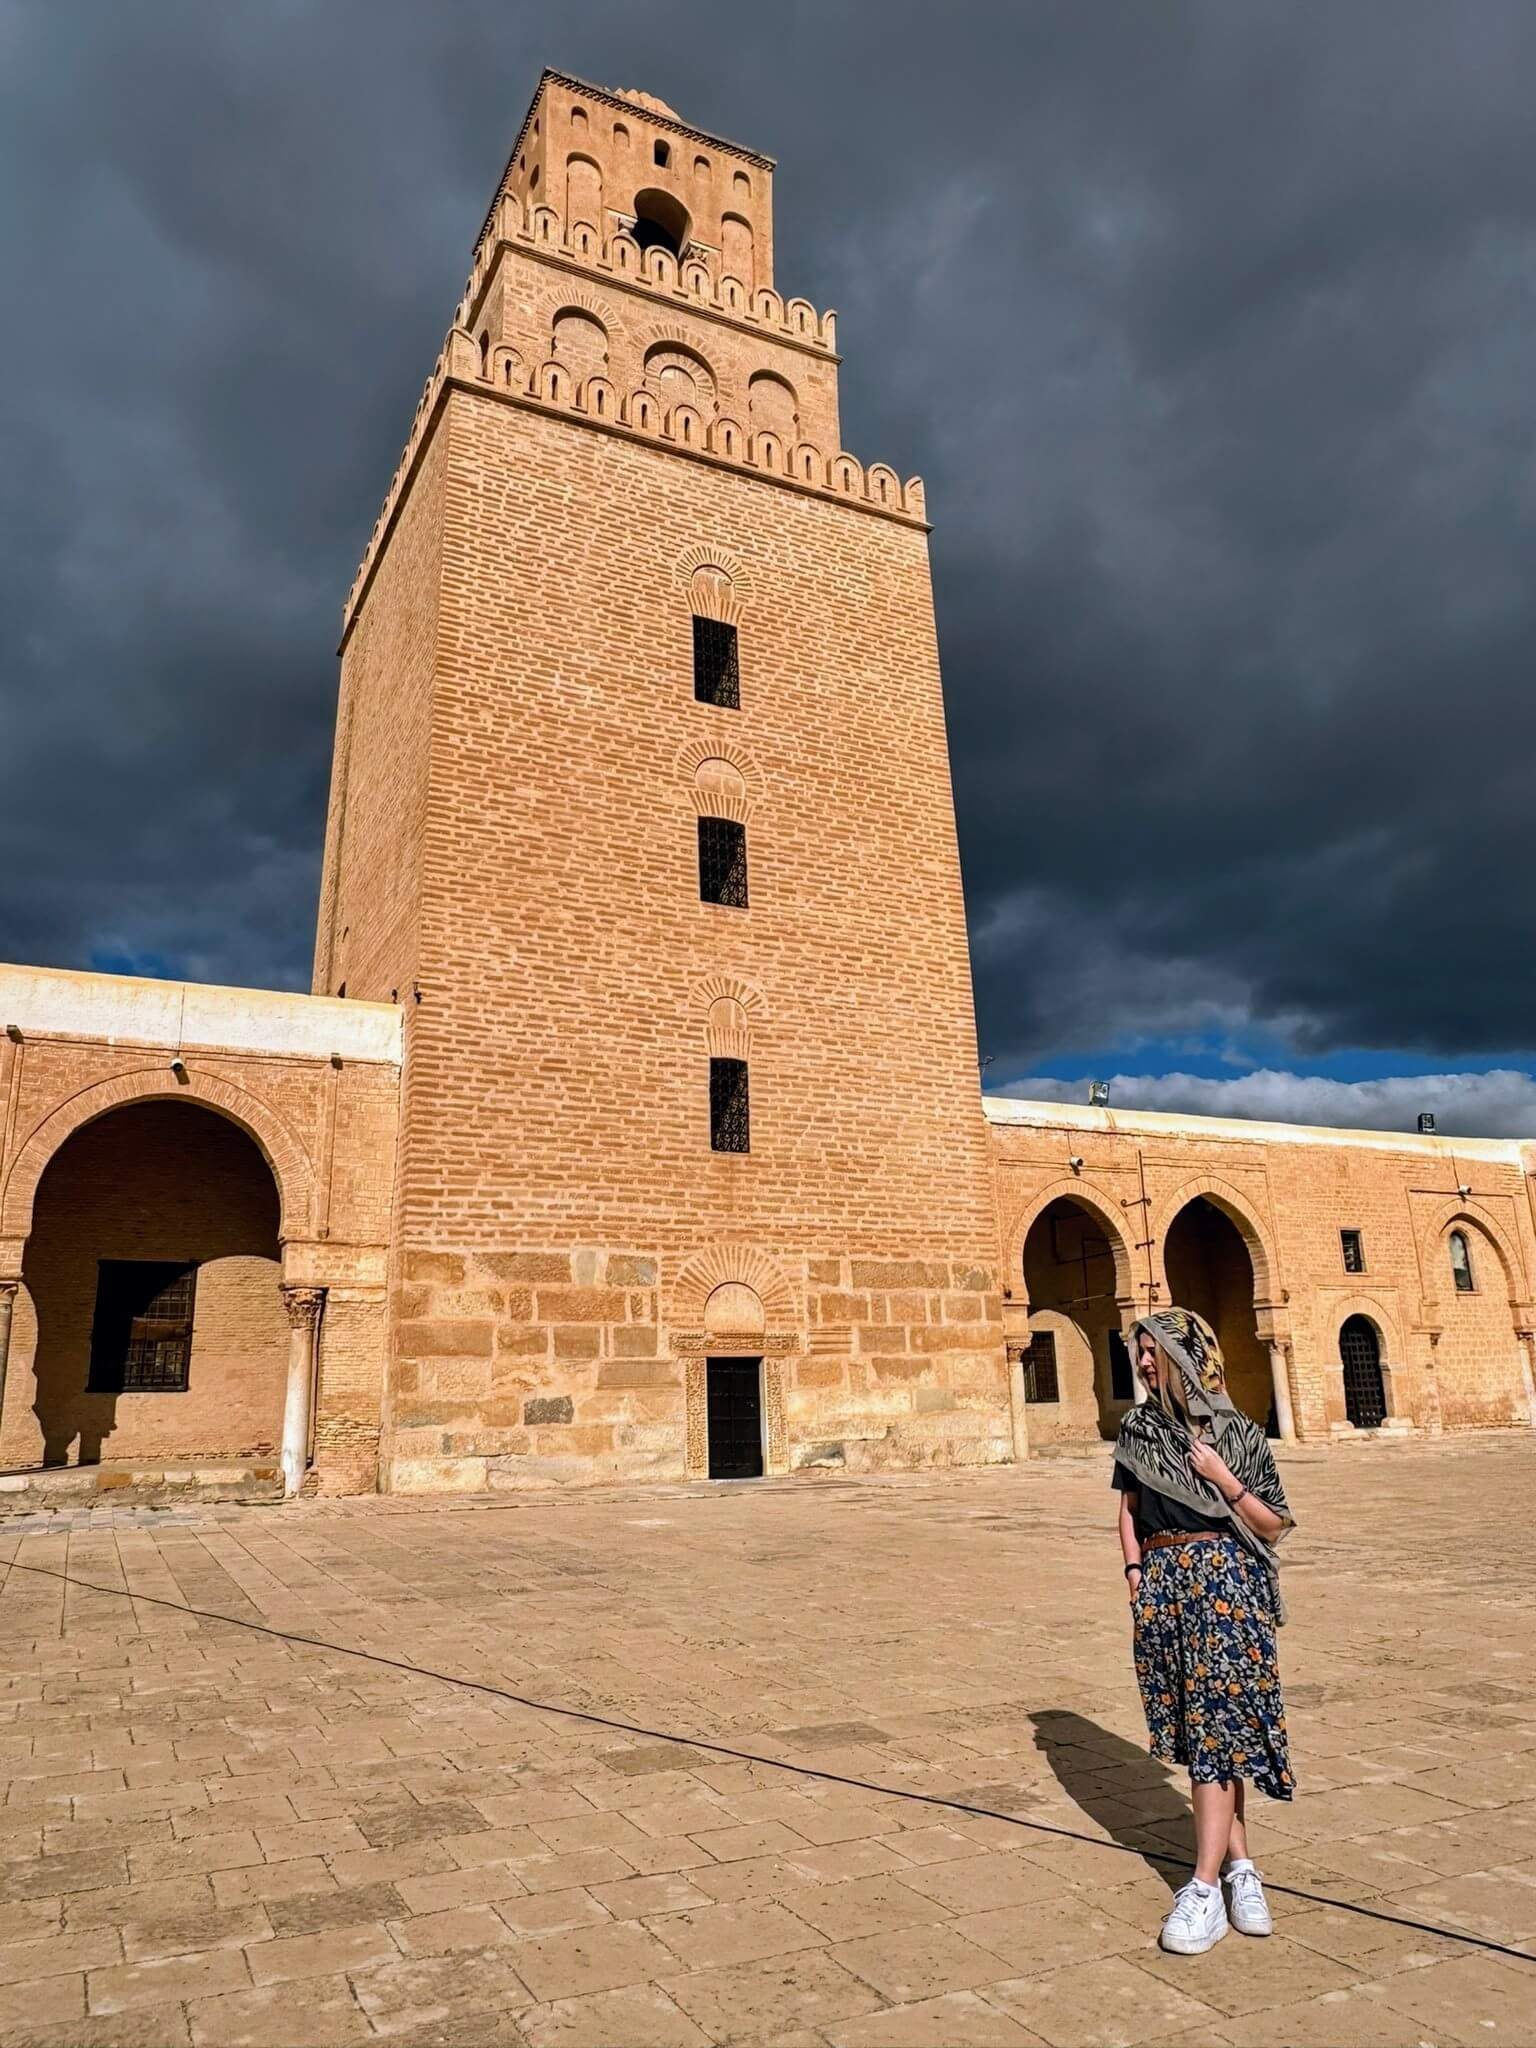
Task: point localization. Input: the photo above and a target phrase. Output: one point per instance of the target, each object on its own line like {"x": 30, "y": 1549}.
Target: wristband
{"x": 1136, "y": 1567}
{"x": 1241, "y": 1494}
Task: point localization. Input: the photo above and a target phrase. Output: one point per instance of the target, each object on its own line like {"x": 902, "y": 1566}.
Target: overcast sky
{"x": 1210, "y": 328}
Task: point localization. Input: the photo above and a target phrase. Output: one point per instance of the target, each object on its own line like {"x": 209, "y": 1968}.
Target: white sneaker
{"x": 1250, "y": 1908}
{"x": 1198, "y": 1920}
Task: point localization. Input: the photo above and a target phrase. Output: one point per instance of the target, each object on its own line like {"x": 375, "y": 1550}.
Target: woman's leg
{"x": 1237, "y": 1835}
{"x": 1214, "y": 1806}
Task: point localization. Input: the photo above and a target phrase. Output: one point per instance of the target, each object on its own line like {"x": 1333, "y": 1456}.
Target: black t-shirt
{"x": 1158, "y": 1514}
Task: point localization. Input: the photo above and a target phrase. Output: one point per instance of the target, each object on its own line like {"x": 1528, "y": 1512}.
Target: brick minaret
{"x": 641, "y": 808}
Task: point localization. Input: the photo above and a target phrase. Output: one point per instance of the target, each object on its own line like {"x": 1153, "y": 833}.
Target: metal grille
{"x": 735, "y": 1418}
{"x": 1365, "y": 1397}
{"x": 1039, "y": 1363}
{"x": 1122, "y": 1382}
{"x": 716, "y": 668}
{"x": 1354, "y": 1251}
{"x": 141, "y": 1335}
{"x": 723, "y": 862}
{"x": 730, "y": 1120}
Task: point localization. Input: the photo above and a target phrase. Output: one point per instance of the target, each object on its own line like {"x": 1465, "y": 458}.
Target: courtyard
{"x": 853, "y": 1763}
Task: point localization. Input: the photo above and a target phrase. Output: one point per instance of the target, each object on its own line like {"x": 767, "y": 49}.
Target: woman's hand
{"x": 1133, "y": 1584}
{"x": 1210, "y": 1466}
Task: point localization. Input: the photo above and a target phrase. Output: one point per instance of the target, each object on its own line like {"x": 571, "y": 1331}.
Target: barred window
{"x": 716, "y": 668}
{"x": 1353, "y": 1246}
{"x": 723, "y": 862}
{"x": 730, "y": 1120}
{"x": 141, "y": 1334}
{"x": 1039, "y": 1363}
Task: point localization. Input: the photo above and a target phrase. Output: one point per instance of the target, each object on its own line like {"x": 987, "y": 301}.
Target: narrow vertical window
{"x": 730, "y": 1117}
{"x": 1039, "y": 1363}
{"x": 723, "y": 862}
{"x": 716, "y": 667}
{"x": 141, "y": 1333}
{"x": 1353, "y": 1246}
{"x": 1461, "y": 1262}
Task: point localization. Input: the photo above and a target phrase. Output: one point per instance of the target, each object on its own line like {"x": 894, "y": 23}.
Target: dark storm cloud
{"x": 1209, "y": 327}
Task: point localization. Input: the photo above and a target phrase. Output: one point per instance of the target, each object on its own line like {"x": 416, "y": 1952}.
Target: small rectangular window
{"x": 1039, "y": 1363}
{"x": 141, "y": 1334}
{"x": 723, "y": 862}
{"x": 1121, "y": 1380}
{"x": 730, "y": 1119}
{"x": 716, "y": 667}
{"x": 1353, "y": 1245}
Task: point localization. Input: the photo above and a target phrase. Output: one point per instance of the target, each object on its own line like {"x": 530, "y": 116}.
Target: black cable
{"x": 747, "y": 1756}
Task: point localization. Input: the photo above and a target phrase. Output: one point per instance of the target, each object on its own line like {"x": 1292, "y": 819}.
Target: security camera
{"x": 1076, "y": 1162}
{"x": 178, "y": 1065}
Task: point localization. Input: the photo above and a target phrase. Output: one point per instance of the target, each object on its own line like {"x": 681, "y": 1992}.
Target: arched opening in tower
{"x": 661, "y": 222}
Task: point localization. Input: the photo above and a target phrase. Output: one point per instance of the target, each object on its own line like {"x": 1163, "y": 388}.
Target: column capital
{"x": 8, "y": 1286}
{"x": 302, "y": 1306}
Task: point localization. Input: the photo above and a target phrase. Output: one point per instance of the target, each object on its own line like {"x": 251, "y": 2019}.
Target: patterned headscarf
{"x": 1156, "y": 1448}
{"x": 1189, "y": 1342}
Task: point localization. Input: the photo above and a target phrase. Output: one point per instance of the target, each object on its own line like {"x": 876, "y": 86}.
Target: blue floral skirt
{"x": 1206, "y": 1665}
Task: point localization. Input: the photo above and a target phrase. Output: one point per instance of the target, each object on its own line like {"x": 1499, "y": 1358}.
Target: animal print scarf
{"x": 1156, "y": 1448}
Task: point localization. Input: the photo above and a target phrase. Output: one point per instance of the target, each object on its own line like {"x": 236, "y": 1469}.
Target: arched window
{"x": 1365, "y": 1398}
{"x": 580, "y": 342}
{"x": 772, "y": 404}
{"x": 663, "y": 153}
{"x": 1461, "y": 1263}
{"x": 661, "y": 222}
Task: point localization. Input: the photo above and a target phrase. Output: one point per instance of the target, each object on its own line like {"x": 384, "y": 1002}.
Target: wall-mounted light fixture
{"x": 1426, "y": 1123}
{"x": 13, "y": 1032}
{"x": 1098, "y": 1094}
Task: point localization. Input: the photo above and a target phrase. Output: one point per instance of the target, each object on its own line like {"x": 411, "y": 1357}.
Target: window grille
{"x": 1122, "y": 1381}
{"x": 723, "y": 862}
{"x": 716, "y": 665}
{"x": 730, "y": 1118}
{"x": 1039, "y": 1363}
{"x": 1354, "y": 1251}
{"x": 1461, "y": 1263}
{"x": 141, "y": 1335}
{"x": 1365, "y": 1396}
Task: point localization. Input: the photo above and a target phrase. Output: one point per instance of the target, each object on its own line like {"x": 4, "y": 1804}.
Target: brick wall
{"x": 555, "y": 1099}
{"x": 1452, "y": 1361}
{"x": 269, "y": 1158}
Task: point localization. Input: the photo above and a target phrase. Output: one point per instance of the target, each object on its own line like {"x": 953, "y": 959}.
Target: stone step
{"x": 123, "y": 1482}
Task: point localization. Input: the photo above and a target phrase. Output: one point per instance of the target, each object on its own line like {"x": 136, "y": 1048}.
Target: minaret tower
{"x": 641, "y": 809}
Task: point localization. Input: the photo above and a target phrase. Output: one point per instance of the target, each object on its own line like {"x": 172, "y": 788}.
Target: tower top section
{"x": 624, "y": 161}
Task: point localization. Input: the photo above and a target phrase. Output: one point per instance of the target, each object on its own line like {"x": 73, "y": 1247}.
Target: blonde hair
{"x": 1170, "y": 1389}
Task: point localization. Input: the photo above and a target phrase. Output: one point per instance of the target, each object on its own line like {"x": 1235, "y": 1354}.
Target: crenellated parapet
{"x": 687, "y": 281}
{"x": 638, "y": 414}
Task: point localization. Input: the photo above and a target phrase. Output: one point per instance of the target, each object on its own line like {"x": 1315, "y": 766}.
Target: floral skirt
{"x": 1206, "y": 1665}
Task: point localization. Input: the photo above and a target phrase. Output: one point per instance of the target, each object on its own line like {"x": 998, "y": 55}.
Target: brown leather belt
{"x": 1172, "y": 1540}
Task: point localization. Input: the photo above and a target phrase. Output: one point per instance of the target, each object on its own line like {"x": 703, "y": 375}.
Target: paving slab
{"x": 849, "y": 1764}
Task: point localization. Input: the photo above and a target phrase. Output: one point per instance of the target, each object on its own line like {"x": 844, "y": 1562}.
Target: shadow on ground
{"x": 1127, "y": 1793}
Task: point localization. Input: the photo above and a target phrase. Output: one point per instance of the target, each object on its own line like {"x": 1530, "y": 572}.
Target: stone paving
{"x": 214, "y": 1834}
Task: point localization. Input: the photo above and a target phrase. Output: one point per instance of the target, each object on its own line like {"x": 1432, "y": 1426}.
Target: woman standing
{"x": 1201, "y": 1508}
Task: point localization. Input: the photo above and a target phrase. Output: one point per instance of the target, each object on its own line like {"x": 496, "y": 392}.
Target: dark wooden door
{"x": 735, "y": 1418}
